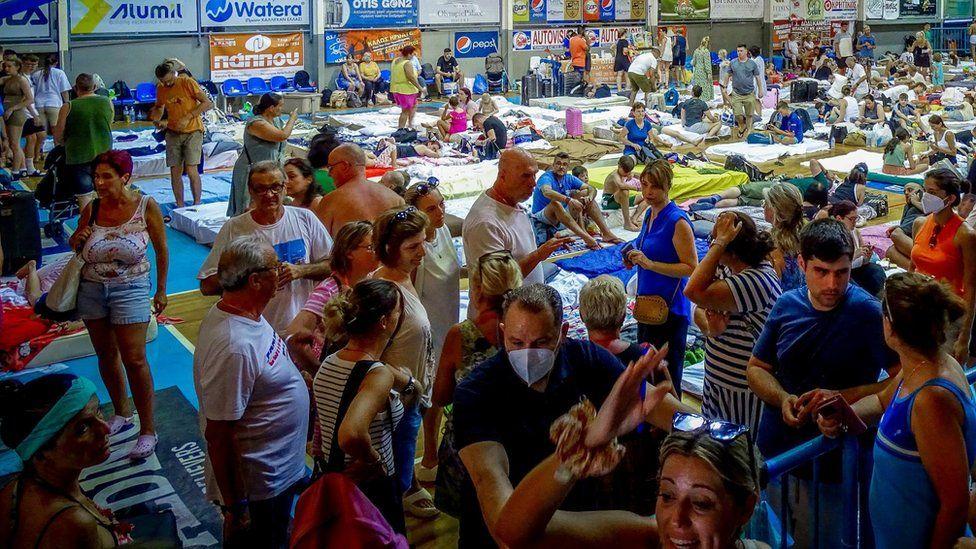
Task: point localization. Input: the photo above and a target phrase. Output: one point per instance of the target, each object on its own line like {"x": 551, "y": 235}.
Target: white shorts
{"x": 972, "y": 39}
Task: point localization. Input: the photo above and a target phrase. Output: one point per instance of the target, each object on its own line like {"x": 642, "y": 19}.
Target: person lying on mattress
{"x": 696, "y": 118}
{"x": 617, "y": 189}
{"x": 388, "y": 151}
{"x": 33, "y": 284}
{"x": 790, "y": 128}
{"x": 559, "y": 198}
{"x": 753, "y": 193}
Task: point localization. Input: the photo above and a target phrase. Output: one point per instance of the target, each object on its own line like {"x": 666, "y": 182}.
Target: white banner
{"x": 882, "y": 9}
{"x": 840, "y": 10}
{"x": 786, "y": 9}
{"x": 736, "y": 9}
{"x": 267, "y": 13}
{"x": 244, "y": 56}
{"x": 459, "y": 12}
{"x": 132, "y": 16}
{"x": 34, "y": 23}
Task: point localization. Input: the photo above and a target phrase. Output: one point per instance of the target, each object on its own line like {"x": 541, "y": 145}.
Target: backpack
{"x": 804, "y": 117}
{"x": 602, "y": 91}
{"x": 676, "y": 110}
{"x": 338, "y": 99}
{"x": 494, "y": 64}
{"x": 354, "y": 101}
{"x": 326, "y": 98}
{"x": 738, "y": 163}
{"x": 803, "y": 90}
{"x": 427, "y": 71}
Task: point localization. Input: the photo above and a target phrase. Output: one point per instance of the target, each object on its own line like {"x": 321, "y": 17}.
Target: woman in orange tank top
{"x": 945, "y": 248}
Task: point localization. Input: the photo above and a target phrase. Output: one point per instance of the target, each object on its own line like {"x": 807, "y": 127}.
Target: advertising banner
{"x": 823, "y": 30}
{"x": 475, "y": 44}
{"x": 607, "y": 37}
{"x": 243, "y": 56}
{"x": 132, "y": 16}
{"x": 384, "y": 45}
{"x": 267, "y": 13}
{"x": 683, "y": 10}
{"x": 33, "y": 24}
{"x": 916, "y": 8}
{"x": 538, "y": 39}
{"x": 464, "y": 12}
{"x": 840, "y": 10}
{"x": 737, "y": 9}
{"x": 370, "y": 14}
{"x": 562, "y": 11}
{"x": 957, "y": 9}
{"x": 785, "y": 9}
{"x": 882, "y": 9}
{"x": 591, "y": 10}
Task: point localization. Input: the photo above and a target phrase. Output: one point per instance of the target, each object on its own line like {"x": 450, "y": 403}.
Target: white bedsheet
{"x": 201, "y": 222}
{"x": 767, "y": 153}
{"x": 155, "y": 164}
{"x": 687, "y": 134}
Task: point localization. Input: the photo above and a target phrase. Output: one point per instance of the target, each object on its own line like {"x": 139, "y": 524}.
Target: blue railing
{"x": 958, "y": 33}
{"x": 854, "y": 485}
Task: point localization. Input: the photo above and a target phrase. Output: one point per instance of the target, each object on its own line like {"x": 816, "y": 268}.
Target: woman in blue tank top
{"x": 926, "y": 441}
{"x": 664, "y": 254}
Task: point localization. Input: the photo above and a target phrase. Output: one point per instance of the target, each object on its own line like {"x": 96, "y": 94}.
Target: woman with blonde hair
{"x": 603, "y": 309}
{"x": 468, "y": 344}
{"x": 922, "y": 53}
{"x": 701, "y": 62}
{"x": 783, "y": 208}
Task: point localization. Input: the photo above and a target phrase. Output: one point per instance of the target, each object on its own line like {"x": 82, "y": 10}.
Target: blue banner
{"x": 475, "y": 44}
{"x": 370, "y": 14}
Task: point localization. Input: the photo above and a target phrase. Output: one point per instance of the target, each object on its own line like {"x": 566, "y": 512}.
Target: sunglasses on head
{"x": 722, "y": 431}
{"x": 423, "y": 189}
{"x": 403, "y": 214}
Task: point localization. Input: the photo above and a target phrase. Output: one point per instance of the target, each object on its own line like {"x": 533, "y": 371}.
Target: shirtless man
{"x": 355, "y": 198}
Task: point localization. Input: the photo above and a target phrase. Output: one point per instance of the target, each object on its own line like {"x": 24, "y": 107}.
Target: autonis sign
{"x": 541, "y": 39}
{"x": 244, "y": 56}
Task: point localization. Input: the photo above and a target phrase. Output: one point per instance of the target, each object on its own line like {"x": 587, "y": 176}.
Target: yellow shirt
{"x": 179, "y": 99}
{"x": 370, "y": 71}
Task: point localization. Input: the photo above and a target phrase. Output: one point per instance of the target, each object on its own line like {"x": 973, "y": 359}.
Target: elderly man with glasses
{"x": 299, "y": 240}
{"x": 355, "y": 198}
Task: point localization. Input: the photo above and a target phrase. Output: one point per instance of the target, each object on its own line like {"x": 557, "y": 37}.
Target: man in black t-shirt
{"x": 496, "y": 135}
{"x": 447, "y": 67}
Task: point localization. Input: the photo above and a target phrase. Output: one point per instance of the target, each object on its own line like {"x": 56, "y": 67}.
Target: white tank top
{"x": 118, "y": 254}
{"x": 853, "y": 111}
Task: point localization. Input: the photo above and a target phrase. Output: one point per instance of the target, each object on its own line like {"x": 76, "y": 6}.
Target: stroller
{"x": 495, "y": 74}
{"x": 60, "y": 203}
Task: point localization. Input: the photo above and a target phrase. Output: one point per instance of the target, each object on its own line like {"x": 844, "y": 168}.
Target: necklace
{"x": 237, "y": 310}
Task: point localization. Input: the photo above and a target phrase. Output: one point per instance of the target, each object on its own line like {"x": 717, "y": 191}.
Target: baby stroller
{"x": 495, "y": 74}
{"x": 60, "y": 203}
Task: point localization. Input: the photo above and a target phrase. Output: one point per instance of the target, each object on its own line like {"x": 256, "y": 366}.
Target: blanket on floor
{"x": 767, "y": 153}
{"x": 583, "y": 150}
{"x": 688, "y": 182}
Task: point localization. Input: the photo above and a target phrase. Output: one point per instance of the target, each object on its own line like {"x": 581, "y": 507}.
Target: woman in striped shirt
{"x": 357, "y": 410}
{"x": 734, "y": 287}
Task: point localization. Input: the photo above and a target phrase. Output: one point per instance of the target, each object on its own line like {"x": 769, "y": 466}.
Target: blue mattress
{"x": 216, "y": 188}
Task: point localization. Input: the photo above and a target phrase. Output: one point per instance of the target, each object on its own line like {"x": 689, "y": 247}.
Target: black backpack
{"x": 326, "y": 96}
{"x": 122, "y": 90}
{"x": 676, "y": 110}
{"x": 602, "y": 91}
{"x": 405, "y": 135}
{"x": 805, "y": 118}
{"x": 427, "y": 71}
{"x": 354, "y": 101}
{"x": 738, "y": 163}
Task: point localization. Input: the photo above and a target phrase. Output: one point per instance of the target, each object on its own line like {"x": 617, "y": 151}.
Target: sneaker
{"x": 701, "y": 206}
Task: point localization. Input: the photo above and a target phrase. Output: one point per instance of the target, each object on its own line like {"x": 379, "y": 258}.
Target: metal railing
{"x": 942, "y": 36}
{"x": 855, "y": 474}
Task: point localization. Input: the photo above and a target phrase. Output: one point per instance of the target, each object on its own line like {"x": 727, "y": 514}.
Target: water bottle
{"x": 125, "y": 115}
{"x": 831, "y": 140}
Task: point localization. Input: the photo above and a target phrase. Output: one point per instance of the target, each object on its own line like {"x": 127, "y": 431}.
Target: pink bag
{"x": 574, "y": 122}
{"x": 771, "y": 98}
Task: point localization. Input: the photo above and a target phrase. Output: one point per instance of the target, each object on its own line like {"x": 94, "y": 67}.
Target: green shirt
{"x": 88, "y": 129}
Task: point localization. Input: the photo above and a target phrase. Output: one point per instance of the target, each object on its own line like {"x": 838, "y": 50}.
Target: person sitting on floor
{"x": 617, "y": 189}
{"x": 845, "y": 108}
{"x": 486, "y": 105}
{"x": 964, "y": 113}
{"x": 636, "y": 132}
{"x": 902, "y": 235}
{"x": 864, "y": 272}
{"x": 453, "y": 121}
{"x": 560, "y": 198}
{"x": 790, "y": 129}
{"x": 872, "y": 112}
{"x": 904, "y": 113}
{"x": 696, "y": 118}
{"x": 897, "y": 152}
{"x": 853, "y": 187}
{"x": 495, "y": 138}
{"x": 943, "y": 143}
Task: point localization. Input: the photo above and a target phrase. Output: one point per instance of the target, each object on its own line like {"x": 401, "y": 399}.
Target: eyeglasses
{"x": 273, "y": 189}
{"x": 722, "y": 431}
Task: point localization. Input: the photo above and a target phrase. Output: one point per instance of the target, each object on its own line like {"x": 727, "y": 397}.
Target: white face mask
{"x": 932, "y": 204}
{"x": 531, "y": 365}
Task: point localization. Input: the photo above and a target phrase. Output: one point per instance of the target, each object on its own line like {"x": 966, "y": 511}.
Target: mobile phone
{"x": 838, "y": 408}
{"x": 626, "y": 249}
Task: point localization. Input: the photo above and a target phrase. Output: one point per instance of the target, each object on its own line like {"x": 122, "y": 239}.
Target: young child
{"x": 938, "y": 74}
{"x": 453, "y": 122}
{"x": 616, "y": 192}
{"x": 904, "y": 113}
{"x": 487, "y": 105}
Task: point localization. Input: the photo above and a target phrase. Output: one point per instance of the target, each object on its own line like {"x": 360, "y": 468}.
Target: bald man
{"x": 496, "y": 222}
{"x": 355, "y": 198}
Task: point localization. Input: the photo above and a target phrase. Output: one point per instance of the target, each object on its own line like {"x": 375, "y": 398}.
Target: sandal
{"x": 117, "y": 423}
{"x": 144, "y": 447}
{"x": 425, "y": 474}
{"x": 410, "y": 504}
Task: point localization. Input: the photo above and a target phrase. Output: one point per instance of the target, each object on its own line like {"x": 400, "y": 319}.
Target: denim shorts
{"x": 121, "y": 302}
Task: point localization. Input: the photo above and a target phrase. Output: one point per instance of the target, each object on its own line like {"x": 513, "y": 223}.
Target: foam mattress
{"x": 201, "y": 222}
{"x": 767, "y": 153}
{"x": 77, "y": 345}
{"x": 216, "y": 188}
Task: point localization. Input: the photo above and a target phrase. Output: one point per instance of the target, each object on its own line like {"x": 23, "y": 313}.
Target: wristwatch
{"x": 410, "y": 388}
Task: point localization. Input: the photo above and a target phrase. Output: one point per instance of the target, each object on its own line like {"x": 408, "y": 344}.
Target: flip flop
{"x": 117, "y": 423}
{"x": 144, "y": 447}
{"x": 410, "y": 504}
{"x": 425, "y": 474}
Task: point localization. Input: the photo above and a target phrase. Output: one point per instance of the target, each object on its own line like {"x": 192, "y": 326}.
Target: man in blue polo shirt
{"x": 790, "y": 129}
{"x": 505, "y": 406}
{"x": 563, "y": 201}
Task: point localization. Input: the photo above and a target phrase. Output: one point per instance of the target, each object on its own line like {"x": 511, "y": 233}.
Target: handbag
{"x": 63, "y": 295}
{"x": 652, "y": 309}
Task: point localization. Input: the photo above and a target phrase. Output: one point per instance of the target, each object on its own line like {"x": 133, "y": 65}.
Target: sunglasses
{"x": 423, "y": 189}
{"x": 934, "y": 239}
{"x": 722, "y": 431}
{"x": 403, "y": 214}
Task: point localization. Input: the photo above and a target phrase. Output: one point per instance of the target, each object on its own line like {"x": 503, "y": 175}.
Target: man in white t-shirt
{"x": 857, "y": 77}
{"x": 756, "y": 54}
{"x": 297, "y": 236}
{"x": 642, "y": 75}
{"x": 843, "y": 43}
{"x": 496, "y": 222}
{"x": 254, "y": 403}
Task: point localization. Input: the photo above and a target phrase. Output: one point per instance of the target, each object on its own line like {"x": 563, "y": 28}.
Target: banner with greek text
{"x": 840, "y": 10}
{"x": 737, "y": 9}
{"x": 463, "y": 12}
{"x": 916, "y": 8}
{"x": 267, "y": 13}
{"x": 370, "y": 14}
{"x": 243, "y": 56}
{"x": 384, "y": 45}
{"x": 132, "y": 16}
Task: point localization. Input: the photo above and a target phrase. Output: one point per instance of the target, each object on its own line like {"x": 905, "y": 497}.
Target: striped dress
{"x": 330, "y": 382}
{"x": 726, "y": 392}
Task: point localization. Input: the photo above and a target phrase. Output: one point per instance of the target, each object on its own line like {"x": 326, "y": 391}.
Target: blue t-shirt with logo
{"x": 794, "y": 124}
{"x": 563, "y": 185}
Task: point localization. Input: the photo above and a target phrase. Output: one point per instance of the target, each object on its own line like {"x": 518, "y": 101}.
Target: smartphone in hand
{"x": 837, "y": 408}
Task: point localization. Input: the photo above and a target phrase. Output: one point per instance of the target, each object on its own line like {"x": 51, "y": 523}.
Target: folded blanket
{"x": 767, "y": 153}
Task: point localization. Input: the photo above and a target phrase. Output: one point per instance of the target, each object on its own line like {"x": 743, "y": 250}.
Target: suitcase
{"x": 546, "y": 87}
{"x": 571, "y": 80}
{"x": 803, "y": 90}
{"x": 771, "y": 98}
{"x": 20, "y": 230}
{"x": 530, "y": 88}
{"x": 574, "y": 122}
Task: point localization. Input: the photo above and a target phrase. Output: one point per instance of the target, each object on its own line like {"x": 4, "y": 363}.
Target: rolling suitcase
{"x": 571, "y": 80}
{"x": 574, "y": 122}
{"x": 20, "y": 230}
{"x": 530, "y": 87}
{"x": 546, "y": 88}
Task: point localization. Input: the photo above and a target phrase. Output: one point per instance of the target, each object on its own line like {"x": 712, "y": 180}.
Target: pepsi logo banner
{"x": 243, "y": 56}
{"x": 34, "y": 23}
{"x": 462, "y": 12}
{"x": 475, "y": 44}
{"x": 230, "y": 13}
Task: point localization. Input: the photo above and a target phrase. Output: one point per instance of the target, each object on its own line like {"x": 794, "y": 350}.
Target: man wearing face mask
{"x": 945, "y": 248}
{"x": 504, "y": 408}
{"x": 819, "y": 340}
{"x": 301, "y": 242}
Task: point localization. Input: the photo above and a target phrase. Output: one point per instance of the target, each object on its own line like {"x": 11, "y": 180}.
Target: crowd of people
{"x": 335, "y": 334}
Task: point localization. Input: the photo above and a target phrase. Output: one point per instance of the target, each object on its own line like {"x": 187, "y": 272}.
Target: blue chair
{"x": 145, "y": 92}
{"x": 779, "y": 62}
{"x": 233, "y": 87}
{"x": 341, "y": 83}
{"x": 280, "y": 84}
{"x": 257, "y": 86}
{"x": 716, "y": 60}
{"x": 385, "y": 75}
{"x": 303, "y": 82}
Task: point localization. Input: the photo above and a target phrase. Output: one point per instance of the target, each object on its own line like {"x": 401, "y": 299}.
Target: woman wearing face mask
{"x": 926, "y": 444}
{"x": 360, "y": 442}
{"x": 264, "y": 139}
{"x": 708, "y": 478}
{"x": 783, "y": 208}
{"x": 438, "y": 282}
{"x": 468, "y": 344}
{"x": 734, "y": 287}
{"x": 945, "y": 248}
{"x": 114, "y": 233}
{"x": 399, "y": 239}
{"x": 664, "y": 254}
